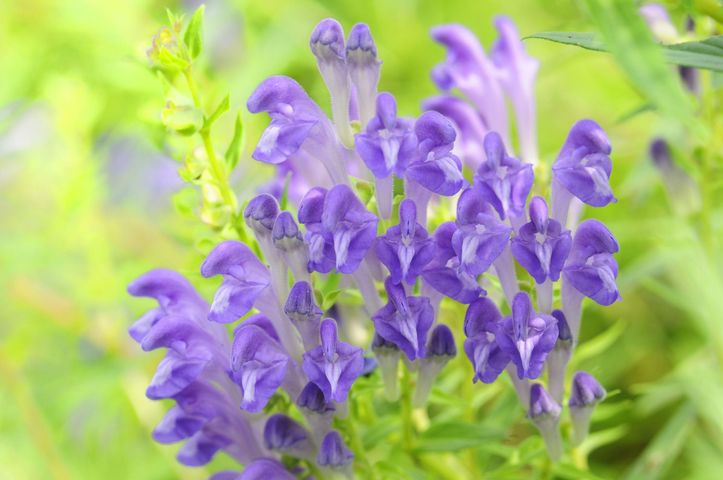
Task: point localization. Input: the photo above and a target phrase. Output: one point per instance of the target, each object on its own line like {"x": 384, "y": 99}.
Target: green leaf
{"x": 234, "y": 148}
{"x": 706, "y": 54}
{"x": 455, "y": 435}
{"x": 194, "y": 32}
{"x": 220, "y": 110}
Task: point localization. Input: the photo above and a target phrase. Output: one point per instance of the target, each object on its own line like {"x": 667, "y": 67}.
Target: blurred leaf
{"x": 194, "y": 31}
{"x": 565, "y": 470}
{"x": 220, "y": 110}
{"x": 706, "y": 54}
{"x": 595, "y": 346}
{"x": 665, "y": 447}
{"x": 234, "y": 148}
{"x": 455, "y": 435}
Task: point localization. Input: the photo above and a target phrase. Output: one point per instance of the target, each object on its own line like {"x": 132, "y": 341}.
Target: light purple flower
{"x": 406, "y": 248}
{"x": 203, "y": 446}
{"x": 527, "y": 337}
{"x": 542, "y": 404}
{"x": 363, "y": 66}
{"x": 244, "y": 279}
{"x": 503, "y": 181}
{"x": 286, "y": 435}
{"x": 334, "y": 452}
{"x": 482, "y": 323}
{"x": 304, "y": 313}
{"x": 294, "y": 117}
{"x": 583, "y": 165}
{"x": 258, "y": 365}
{"x": 590, "y": 267}
{"x": 265, "y": 469}
{"x": 322, "y": 258}
{"x": 352, "y": 227}
{"x": 480, "y": 237}
{"x": 312, "y": 399}
{"x": 334, "y": 365}
{"x": 388, "y": 144}
{"x": 436, "y": 168}
{"x": 404, "y": 320}
{"x": 444, "y": 272}
{"x": 541, "y": 245}
{"x": 586, "y": 391}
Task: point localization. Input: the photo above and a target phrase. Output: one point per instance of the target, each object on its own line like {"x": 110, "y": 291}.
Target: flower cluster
{"x": 287, "y": 345}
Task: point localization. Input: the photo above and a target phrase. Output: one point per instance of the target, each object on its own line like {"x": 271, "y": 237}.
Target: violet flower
{"x": 258, "y": 365}
{"x": 288, "y": 239}
{"x": 541, "y": 245}
{"x": 245, "y": 279}
{"x": 404, "y": 320}
{"x": 406, "y": 248}
{"x": 363, "y": 66}
{"x": 527, "y": 337}
{"x": 287, "y": 436}
{"x": 439, "y": 351}
{"x": 436, "y": 168}
{"x": 503, "y": 181}
{"x": 322, "y": 258}
{"x": 585, "y": 394}
{"x": 591, "y": 268}
{"x": 545, "y": 414}
{"x": 444, "y": 272}
{"x": 333, "y": 452}
{"x": 304, "y": 313}
{"x": 265, "y": 469}
{"x": 482, "y": 322}
{"x": 480, "y": 238}
{"x": 387, "y": 354}
{"x": 334, "y": 365}
{"x": 352, "y": 227}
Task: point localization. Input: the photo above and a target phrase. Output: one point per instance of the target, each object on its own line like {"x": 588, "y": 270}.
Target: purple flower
{"x": 244, "y": 279}
{"x": 388, "y": 144}
{"x": 482, "y": 323}
{"x": 480, "y": 238}
{"x": 591, "y": 268}
{"x": 406, "y": 248}
{"x": 352, "y": 227}
{"x": 265, "y": 469}
{"x": 541, "y": 245}
{"x": 260, "y": 214}
{"x": 404, "y": 320}
{"x": 334, "y": 365}
{"x": 542, "y": 404}
{"x": 586, "y": 391}
{"x": 363, "y": 66}
{"x": 334, "y": 452}
{"x": 503, "y": 181}
{"x": 201, "y": 448}
{"x": 258, "y": 365}
{"x": 583, "y": 166}
{"x": 322, "y": 258}
{"x": 527, "y": 337}
{"x": 469, "y": 70}
{"x": 471, "y": 129}
{"x": 286, "y": 435}
{"x": 312, "y": 399}
{"x": 304, "y": 313}
{"x": 436, "y": 168}
{"x": 444, "y": 273}
{"x": 441, "y": 343}
{"x": 293, "y": 118}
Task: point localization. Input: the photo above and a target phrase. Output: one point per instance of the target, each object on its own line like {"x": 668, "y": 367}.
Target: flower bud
{"x": 586, "y": 392}
{"x": 545, "y": 414}
{"x": 285, "y": 435}
{"x": 440, "y": 350}
{"x": 333, "y": 452}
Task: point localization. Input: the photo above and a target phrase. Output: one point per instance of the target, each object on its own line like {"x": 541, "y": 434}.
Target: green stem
{"x": 358, "y": 448}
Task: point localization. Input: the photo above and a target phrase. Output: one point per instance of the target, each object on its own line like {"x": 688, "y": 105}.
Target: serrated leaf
{"x": 192, "y": 37}
{"x": 220, "y": 110}
{"x": 234, "y": 148}
{"x": 705, "y": 54}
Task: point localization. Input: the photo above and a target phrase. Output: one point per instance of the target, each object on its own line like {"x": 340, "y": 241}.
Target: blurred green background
{"x": 88, "y": 182}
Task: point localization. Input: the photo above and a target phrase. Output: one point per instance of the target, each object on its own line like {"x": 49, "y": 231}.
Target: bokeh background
{"x": 89, "y": 199}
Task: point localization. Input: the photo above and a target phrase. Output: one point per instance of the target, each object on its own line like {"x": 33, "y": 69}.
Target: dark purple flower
{"x": 406, "y": 248}
{"x": 293, "y": 118}
{"x": 258, "y": 365}
{"x": 503, "y": 181}
{"x": 284, "y": 434}
{"x": 436, "y": 168}
{"x": 244, "y": 279}
{"x": 441, "y": 343}
{"x": 388, "y": 144}
{"x": 334, "y": 452}
{"x": 266, "y": 469}
{"x": 352, "y": 227}
{"x": 480, "y": 238}
{"x": 527, "y": 337}
{"x": 586, "y": 391}
{"x": 334, "y": 365}
{"x": 542, "y": 404}
{"x": 541, "y": 245}
{"x": 469, "y": 70}
{"x": 322, "y": 258}
{"x": 363, "y": 66}
{"x": 482, "y": 322}
{"x": 583, "y": 166}
{"x": 444, "y": 272}
{"x": 404, "y": 320}
{"x": 312, "y": 398}
{"x": 591, "y": 268}
{"x": 471, "y": 129}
